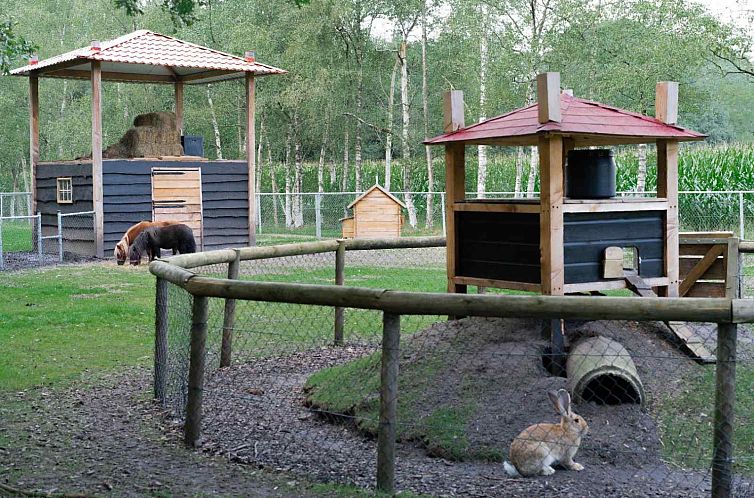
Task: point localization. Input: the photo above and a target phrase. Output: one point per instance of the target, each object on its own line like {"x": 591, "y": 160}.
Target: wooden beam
{"x": 497, "y": 207}
{"x": 179, "y": 106}
{"x": 666, "y": 102}
{"x": 453, "y": 112}
{"x": 548, "y": 97}
{"x": 732, "y": 284}
{"x": 112, "y": 76}
{"x": 610, "y": 285}
{"x": 455, "y": 187}
{"x": 700, "y": 269}
{"x": 667, "y": 187}
{"x": 251, "y": 156}
{"x": 498, "y": 284}
{"x": 33, "y": 137}
{"x": 613, "y": 205}
{"x": 97, "y": 198}
{"x": 213, "y": 74}
{"x": 551, "y": 214}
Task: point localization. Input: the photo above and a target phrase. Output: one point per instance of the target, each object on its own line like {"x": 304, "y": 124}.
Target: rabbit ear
{"x": 565, "y": 401}
{"x": 556, "y": 402}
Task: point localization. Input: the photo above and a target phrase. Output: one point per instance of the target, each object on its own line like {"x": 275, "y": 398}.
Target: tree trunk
{"x": 429, "y": 221}
{"x": 519, "y": 170}
{"x": 240, "y": 136}
{"x": 405, "y": 114}
{"x": 344, "y": 180}
{"x": 533, "y": 167}
{"x": 481, "y": 174}
{"x": 357, "y": 138}
{"x": 287, "y": 206}
{"x": 260, "y": 164}
{"x": 389, "y": 137}
{"x": 298, "y": 200}
{"x": 322, "y": 151}
{"x": 641, "y": 177}
{"x": 273, "y": 184}
{"x": 215, "y": 125}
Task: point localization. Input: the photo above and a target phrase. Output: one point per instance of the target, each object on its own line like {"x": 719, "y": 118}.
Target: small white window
{"x": 65, "y": 191}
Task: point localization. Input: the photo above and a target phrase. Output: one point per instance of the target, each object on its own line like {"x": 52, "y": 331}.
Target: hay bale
{"x": 154, "y": 134}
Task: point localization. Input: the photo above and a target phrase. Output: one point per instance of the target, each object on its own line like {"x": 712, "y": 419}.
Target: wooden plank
{"x": 732, "y": 288}
{"x": 97, "y": 195}
{"x": 716, "y": 271}
{"x": 496, "y": 207}
{"x": 701, "y": 235}
{"x": 695, "y": 249}
{"x": 610, "y": 285}
{"x": 699, "y": 269}
{"x": 692, "y": 342}
{"x": 498, "y": 284}
{"x": 33, "y": 137}
{"x": 569, "y": 206}
{"x": 455, "y": 187}
{"x": 707, "y": 289}
{"x": 638, "y": 286}
{"x": 551, "y": 214}
{"x": 667, "y": 187}
{"x": 666, "y": 102}
{"x": 112, "y": 76}
{"x": 548, "y": 99}
{"x": 179, "y": 106}
{"x": 251, "y": 156}
{"x": 453, "y": 111}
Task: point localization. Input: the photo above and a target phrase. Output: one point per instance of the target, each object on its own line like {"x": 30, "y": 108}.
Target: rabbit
{"x": 538, "y": 447}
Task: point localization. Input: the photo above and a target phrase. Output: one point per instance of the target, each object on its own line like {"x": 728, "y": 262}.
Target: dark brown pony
{"x": 178, "y": 237}
{"x": 121, "y": 248}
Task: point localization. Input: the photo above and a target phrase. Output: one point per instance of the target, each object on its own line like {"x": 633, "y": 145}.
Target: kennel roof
{"x": 588, "y": 122}
{"x": 148, "y": 57}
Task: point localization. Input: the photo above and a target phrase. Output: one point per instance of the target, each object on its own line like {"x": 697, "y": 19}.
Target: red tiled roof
{"x": 578, "y": 117}
{"x": 142, "y": 51}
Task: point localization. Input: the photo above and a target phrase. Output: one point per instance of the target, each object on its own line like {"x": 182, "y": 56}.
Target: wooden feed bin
{"x": 376, "y": 214}
{"x": 555, "y": 245}
{"x": 216, "y": 197}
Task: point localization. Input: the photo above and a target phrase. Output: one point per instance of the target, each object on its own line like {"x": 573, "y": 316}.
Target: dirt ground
{"x": 15, "y": 261}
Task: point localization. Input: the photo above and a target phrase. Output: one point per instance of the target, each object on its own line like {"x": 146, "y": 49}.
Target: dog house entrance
{"x": 177, "y": 196}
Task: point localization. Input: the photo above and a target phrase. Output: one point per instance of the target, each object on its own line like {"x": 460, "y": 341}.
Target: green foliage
{"x": 12, "y": 46}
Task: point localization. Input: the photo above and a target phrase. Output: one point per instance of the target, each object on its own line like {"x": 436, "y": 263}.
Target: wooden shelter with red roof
{"x": 558, "y": 245}
{"x": 121, "y": 192}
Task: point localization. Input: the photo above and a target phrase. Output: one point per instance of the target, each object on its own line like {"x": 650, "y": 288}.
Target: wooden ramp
{"x": 688, "y": 336}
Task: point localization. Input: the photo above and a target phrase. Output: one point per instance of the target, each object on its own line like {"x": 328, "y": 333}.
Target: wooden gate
{"x": 708, "y": 264}
{"x": 177, "y": 196}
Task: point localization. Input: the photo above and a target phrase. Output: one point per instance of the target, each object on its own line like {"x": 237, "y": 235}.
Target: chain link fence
{"x": 340, "y": 380}
{"x": 38, "y": 240}
{"x": 14, "y": 204}
{"x": 320, "y": 214}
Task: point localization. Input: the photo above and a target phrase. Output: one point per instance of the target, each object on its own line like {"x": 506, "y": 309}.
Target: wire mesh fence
{"x": 14, "y": 204}
{"x": 319, "y": 215}
{"x": 280, "y": 389}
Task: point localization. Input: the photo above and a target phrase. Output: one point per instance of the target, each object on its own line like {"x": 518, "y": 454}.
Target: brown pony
{"x": 177, "y": 237}
{"x": 121, "y": 248}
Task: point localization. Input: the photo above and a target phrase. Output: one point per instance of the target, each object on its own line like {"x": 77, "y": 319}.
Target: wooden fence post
{"x": 193, "y": 426}
{"x": 340, "y": 277}
{"x": 725, "y": 396}
{"x": 229, "y": 318}
{"x": 386, "y": 435}
{"x": 160, "y": 338}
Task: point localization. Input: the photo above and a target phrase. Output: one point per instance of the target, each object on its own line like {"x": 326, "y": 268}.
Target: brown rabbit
{"x": 538, "y": 447}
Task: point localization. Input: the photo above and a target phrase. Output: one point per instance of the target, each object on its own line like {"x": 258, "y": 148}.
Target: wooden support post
{"x": 453, "y": 111}
{"x": 160, "y": 338}
{"x": 251, "y": 156}
{"x": 666, "y": 102}
{"x": 193, "y": 426}
{"x": 548, "y": 97}
{"x": 455, "y": 186}
{"x": 386, "y": 432}
{"x": 179, "y": 106}
{"x": 33, "y": 138}
{"x": 340, "y": 278}
{"x": 732, "y": 272}
{"x": 667, "y": 187}
{"x": 725, "y": 397}
{"x": 229, "y": 317}
{"x": 97, "y": 198}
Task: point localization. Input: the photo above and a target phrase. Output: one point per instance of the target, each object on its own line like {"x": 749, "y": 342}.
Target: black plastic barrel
{"x": 590, "y": 174}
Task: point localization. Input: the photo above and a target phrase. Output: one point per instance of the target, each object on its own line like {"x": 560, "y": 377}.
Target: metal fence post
{"x": 318, "y": 214}
{"x": 340, "y": 277}
{"x": 60, "y": 238}
{"x": 193, "y": 426}
{"x": 39, "y": 235}
{"x": 160, "y": 338}
{"x": 741, "y": 218}
{"x": 725, "y": 380}
{"x": 229, "y": 317}
{"x": 391, "y": 333}
{"x": 442, "y": 203}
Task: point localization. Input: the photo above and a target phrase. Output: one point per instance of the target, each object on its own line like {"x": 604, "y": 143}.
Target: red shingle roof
{"x": 150, "y": 54}
{"x": 578, "y": 117}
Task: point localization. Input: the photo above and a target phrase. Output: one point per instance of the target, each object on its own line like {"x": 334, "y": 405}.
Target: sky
{"x": 738, "y": 11}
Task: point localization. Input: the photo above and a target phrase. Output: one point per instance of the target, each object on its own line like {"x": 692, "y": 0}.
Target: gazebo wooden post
{"x": 251, "y": 157}
{"x": 179, "y": 106}
{"x": 455, "y": 181}
{"x": 666, "y": 110}
{"x": 97, "y": 199}
{"x": 33, "y": 137}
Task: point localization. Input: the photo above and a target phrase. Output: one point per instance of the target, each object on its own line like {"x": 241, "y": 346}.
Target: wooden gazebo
{"x": 556, "y": 245}
{"x": 142, "y": 57}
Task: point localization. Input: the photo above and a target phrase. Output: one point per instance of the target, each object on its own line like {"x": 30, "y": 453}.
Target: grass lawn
{"x": 59, "y": 323}
{"x": 16, "y": 236}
